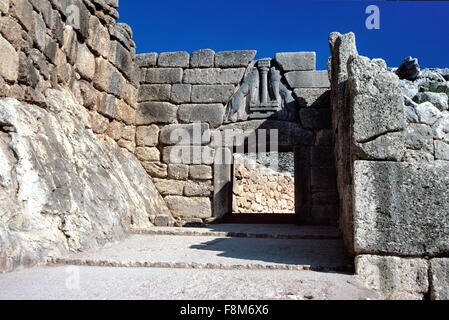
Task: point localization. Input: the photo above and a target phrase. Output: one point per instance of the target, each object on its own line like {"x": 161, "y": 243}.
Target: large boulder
{"x": 61, "y": 188}
{"x": 409, "y": 69}
{"x": 399, "y": 208}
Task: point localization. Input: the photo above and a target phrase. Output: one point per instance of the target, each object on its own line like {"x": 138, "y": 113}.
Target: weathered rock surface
{"x": 394, "y": 278}
{"x": 296, "y": 61}
{"x": 377, "y": 105}
{"x": 62, "y": 189}
{"x": 439, "y": 279}
{"x": 184, "y": 207}
{"x": 398, "y": 208}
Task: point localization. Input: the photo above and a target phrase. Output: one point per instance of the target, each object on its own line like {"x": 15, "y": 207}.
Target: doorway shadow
{"x": 313, "y": 254}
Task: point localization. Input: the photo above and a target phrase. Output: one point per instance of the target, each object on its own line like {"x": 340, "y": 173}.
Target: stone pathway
{"x": 256, "y": 262}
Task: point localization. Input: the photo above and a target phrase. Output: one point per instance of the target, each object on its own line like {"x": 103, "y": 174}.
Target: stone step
{"x": 275, "y": 231}
{"x": 216, "y": 252}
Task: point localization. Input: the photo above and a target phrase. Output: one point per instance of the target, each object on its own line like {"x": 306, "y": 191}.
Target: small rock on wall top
{"x": 409, "y": 69}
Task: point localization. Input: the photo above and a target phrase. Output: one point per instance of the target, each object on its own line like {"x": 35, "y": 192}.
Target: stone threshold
{"x": 248, "y": 231}
{"x": 193, "y": 265}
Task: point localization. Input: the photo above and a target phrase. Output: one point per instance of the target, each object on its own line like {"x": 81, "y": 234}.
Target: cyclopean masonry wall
{"x": 392, "y": 177}
{"x": 44, "y": 46}
{"x": 214, "y": 93}
{"x": 260, "y": 189}
{"x": 68, "y": 99}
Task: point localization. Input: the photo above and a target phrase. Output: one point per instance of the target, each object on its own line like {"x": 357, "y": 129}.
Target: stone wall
{"x": 77, "y": 45}
{"x": 68, "y": 96}
{"x": 391, "y": 176}
{"x": 258, "y": 189}
{"x": 195, "y": 92}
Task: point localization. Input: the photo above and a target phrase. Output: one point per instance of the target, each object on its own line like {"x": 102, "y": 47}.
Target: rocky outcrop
{"x": 61, "y": 188}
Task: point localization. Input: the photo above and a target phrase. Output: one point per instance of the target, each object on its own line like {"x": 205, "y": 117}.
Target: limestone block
{"x": 121, "y": 58}
{"x": 200, "y": 172}
{"x": 394, "y": 278}
{"x": 428, "y": 113}
{"x": 419, "y": 137}
{"x": 441, "y": 150}
{"x": 164, "y": 75}
{"x": 213, "y": 76}
{"x": 313, "y": 97}
{"x": 414, "y": 156}
{"x": 130, "y": 95}
{"x": 212, "y": 93}
{"x": 99, "y": 38}
{"x": 27, "y": 72}
{"x": 308, "y": 79}
{"x": 98, "y": 122}
{"x": 222, "y": 182}
{"x": 377, "y": 104}
{"x": 313, "y": 118}
{"x": 180, "y": 93}
{"x": 151, "y": 154}
{"x": 188, "y": 155}
{"x": 238, "y": 58}
{"x": 4, "y": 6}
{"x": 156, "y": 112}
{"x": 203, "y": 58}
{"x": 108, "y": 78}
{"x": 185, "y": 134}
{"x": 38, "y": 32}
{"x": 441, "y": 128}
{"x": 85, "y": 62}
{"x": 208, "y": 113}
{"x": 389, "y": 146}
{"x": 125, "y": 113}
{"x": 174, "y": 59}
{"x": 146, "y": 60}
{"x": 9, "y": 66}
{"x": 154, "y": 92}
{"x": 198, "y": 189}
{"x": 288, "y": 133}
{"x": 189, "y": 207}
{"x": 439, "y": 279}
{"x": 107, "y": 105}
{"x": 89, "y": 95}
{"x": 147, "y": 136}
{"x": 12, "y": 31}
{"x": 129, "y": 133}
{"x": 156, "y": 169}
{"x": 398, "y": 208}
{"x": 57, "y": 27}
{"x": 126, "y": 144}
{"x": 169, "y": 187}
{"x": 23, "y": 11}
{"x": 70, "y": 44}
{"x": 51, "y": 48}
{"x": 115, "y": 130}
{"x": 123, "y": 34}
{"x": 178, "y": 171}
{"x": 296, "y": 61}
{"x": 439, "y": 100}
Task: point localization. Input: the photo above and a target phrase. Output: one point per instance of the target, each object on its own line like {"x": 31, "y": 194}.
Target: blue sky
{"x": 416, "y": 28}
